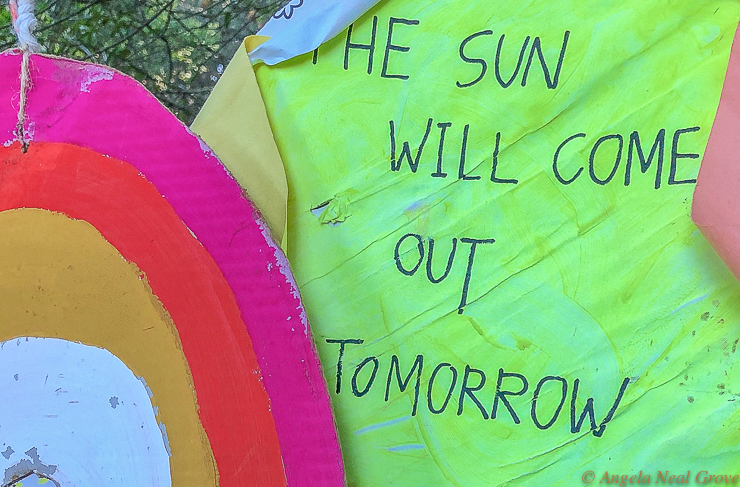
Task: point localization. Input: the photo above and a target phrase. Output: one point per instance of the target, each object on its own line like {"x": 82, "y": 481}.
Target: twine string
{"x": 24, "y": 23}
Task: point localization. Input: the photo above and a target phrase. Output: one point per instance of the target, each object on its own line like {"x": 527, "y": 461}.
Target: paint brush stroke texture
{"x": 57, "y": 408}
{"x": 117, "y": 117}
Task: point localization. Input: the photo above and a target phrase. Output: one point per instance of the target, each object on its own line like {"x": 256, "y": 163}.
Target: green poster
{"x": 489, "y": 222}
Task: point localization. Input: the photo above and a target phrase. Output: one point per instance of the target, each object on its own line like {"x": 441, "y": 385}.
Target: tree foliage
{"x": 176, "y": 48}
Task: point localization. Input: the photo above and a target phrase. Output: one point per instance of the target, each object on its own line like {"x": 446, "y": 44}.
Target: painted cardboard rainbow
{"x": 128, "y": 252}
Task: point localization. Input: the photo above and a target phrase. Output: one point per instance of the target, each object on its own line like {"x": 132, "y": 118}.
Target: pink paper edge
{"x": 716, "y": 202}
{"x": 69, "y": 103}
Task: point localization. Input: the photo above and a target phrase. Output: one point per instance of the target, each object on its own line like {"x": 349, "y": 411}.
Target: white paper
{"x": 303, "y": 25}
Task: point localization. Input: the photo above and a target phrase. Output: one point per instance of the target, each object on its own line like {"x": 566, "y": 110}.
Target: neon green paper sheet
{"x": 489, "y": 221}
